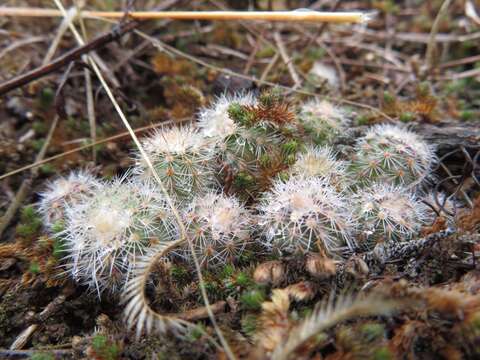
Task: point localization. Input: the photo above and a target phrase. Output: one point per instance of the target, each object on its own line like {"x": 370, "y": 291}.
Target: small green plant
{"x": 104, "y": 349}
{"x": 252, "y": 299}
{"x": 42, "y": 356}
{"x": 30, "y": 222}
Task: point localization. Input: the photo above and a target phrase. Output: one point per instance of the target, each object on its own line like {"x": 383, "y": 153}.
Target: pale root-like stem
{"x": 301, "y": 16}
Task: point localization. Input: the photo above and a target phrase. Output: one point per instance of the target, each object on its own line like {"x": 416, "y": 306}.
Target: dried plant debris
{"x": 334, "y": 216}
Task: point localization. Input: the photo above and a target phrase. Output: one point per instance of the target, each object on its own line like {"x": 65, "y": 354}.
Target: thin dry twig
{"x": 303, "y": 16}
{"x": 287, "y": 60}
{"x": 429, "y": 55}
{"x": 87, "y": 146}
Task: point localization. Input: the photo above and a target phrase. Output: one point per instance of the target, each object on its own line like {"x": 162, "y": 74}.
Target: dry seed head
{"x": 389, "y": 153}
{"x": 321, "y": 162}
{"x": 323, "y": 120}
{"x": 181, "y": 157}
{"x": 215, "y": 122}
{"x": 105, "y": 233}
{"x": 219, "y": 228}
{"x": 65, "y": 192}
{"x": 389, "y": 211}
{"x": 320, "y": 267}
{"x": 305, "y": 215}
{"x": 270, "y": 272}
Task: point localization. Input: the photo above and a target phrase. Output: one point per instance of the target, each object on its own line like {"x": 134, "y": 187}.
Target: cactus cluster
{"x": 249, "y": 173}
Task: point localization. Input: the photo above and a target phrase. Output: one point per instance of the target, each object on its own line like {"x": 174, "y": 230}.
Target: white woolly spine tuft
{"x": 105, "y": 233}
{"x": 316, "y": 161}
{"x": 305, "y": 215}
{"x": 65, "y": 192}
{"x": 393, "y": 154}
{"x": 182, "y": 158}
{"x": 219, "y": 228}
{"x": 323, "y": 120}
{"x": 390, "y": 211}
{"x": 215, "y": 122}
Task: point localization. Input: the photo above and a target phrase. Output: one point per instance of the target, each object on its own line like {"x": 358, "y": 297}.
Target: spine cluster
{"x": 219, "y": 228}
{"x": 107, "y": 231}
{"x": 181, "y": 157}
{"x": 391, "y": 154}
{"x": 305, "y": 215}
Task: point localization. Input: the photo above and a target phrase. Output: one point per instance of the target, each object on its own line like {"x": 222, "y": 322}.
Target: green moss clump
{"x": 42, "y": 356}
{"x": 252, "y": 299}
{"x": 372, "y": 331}
{"x": 382, "y": 353}
{"x": 249, "y": 324}
{"x": 407, "y": 117}
{"x": 34, "y": 268}
{"x": 104, "y": 349}
{"x": 30, "y": 222}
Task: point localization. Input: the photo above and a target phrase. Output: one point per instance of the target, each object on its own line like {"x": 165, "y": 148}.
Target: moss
{"x": 467, "y": 115}
{"x": 196, "y": 333}
{"x": 46, "y": 97}
{"x": 239, "y": 114}
{"x": 243, "y": 280}
{"x": 105, "y": 349}
{"x": 212, "y": 288}
{"x": 249, "y": 324}
{"x": 363, "y": 120}
{"x": 47, "y": 169}
{"x": 388, "y": 98}
{"x": 34, "y": 268}
{"x": 227, "y": 271}
{"x": 407, "y": 117}
{"x": 252, "y": 299}
{"x": 179, "y": 273}
{"x": 40, "y": 127}
{"x": 266, "y": 52}
{"x": 244, "y": 180}
{"x": 42, "y": 356}
{"x": 59, "y": 248}
{"x": 290, "y": 147}
{"x": 58, "y": 227}
{"x": 382, "y": 353}
{"x": 372, "y": 331}
{"x": 30, "y": 222}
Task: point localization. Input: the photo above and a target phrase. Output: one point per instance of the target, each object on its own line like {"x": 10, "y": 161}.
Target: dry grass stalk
{"x": 309, "y": 16}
